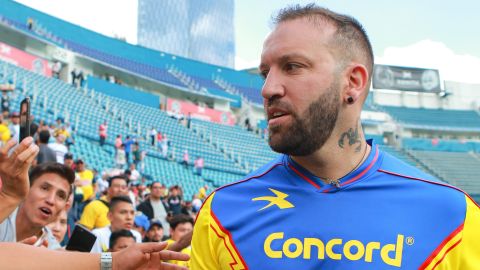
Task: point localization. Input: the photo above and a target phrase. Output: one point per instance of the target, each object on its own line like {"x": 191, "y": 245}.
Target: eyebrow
{"x": 288, "y": 57}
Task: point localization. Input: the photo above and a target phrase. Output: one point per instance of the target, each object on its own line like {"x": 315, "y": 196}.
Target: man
{"x": 95, "y": 213}
{"x": 154, "y": 232}
{"x": 50, "y": 187}
{"x": 102, "y": 132}
{"x": 141, "y": 224}
{"x": 86, "y": 179}
{"x": 46, "y": 154}
{"x": 180, "y": 226}
{"x": 120, "y": 215}
{"x": 15, "y": 126}
{"x": 59, "y": 148}
{"x": 154, "y": 207}
{"x": 68, "y": 160}
{"x": 120, "y": 240}
{"x": 333, "y": 200}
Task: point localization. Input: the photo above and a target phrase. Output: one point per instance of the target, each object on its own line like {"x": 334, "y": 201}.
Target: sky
{"x": 436, "y": 34}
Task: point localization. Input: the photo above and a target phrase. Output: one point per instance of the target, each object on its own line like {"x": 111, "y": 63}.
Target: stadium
{"x": 209, "y": 111}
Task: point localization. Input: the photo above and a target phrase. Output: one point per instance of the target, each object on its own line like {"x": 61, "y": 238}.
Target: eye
{"x": 264, "y": 73}
{"x": 289, "y": 67}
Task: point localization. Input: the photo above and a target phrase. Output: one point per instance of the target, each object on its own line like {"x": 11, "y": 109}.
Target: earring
{"x": 350, "y": 100}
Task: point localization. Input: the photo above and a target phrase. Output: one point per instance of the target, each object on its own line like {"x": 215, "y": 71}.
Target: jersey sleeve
{"x": 461, "y": 250}
{"x": 88, "y": 216}
{"x": 212, "y": 245}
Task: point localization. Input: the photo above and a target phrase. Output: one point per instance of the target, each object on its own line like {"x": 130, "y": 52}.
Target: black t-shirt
{"x": 175, "y": 204}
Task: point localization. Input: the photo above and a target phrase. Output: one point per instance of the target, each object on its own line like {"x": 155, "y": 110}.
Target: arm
{"x": 184, "y": 242}
{"x": 138, "y": 256}
{"x": 14, "y": 174}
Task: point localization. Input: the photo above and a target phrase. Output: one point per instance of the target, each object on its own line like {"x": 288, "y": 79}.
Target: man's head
{"x": 68, "y": 160}
{"x": 141, "y": 223}
{"x": 80, "y": 165}
{"x": 44, "y": 136}
{"x": 317, "y": 66}
{"x": 15, "y": 118}
{"x": 59, "y": 226}
{"x": 121, "y": 213}
{"x": 157, "y": 191}
{"x": 117, "y": 186}
{"x": 50, "y": 187}
{"x": 155, "y": 232}
{"x": 180, "y": 225}
{"x": 120, "y": 240}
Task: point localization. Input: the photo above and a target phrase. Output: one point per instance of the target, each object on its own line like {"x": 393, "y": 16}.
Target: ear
{"x": 357, "y": 76}
{"x": 109, "y": 216}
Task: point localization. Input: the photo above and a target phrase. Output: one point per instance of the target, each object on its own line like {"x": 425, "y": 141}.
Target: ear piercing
{"x": 350, "y": 100}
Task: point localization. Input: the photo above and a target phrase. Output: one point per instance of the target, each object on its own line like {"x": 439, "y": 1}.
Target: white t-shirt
{"x": 102, "y": 244}
{"x": 160, "y": 213}
{"x": 8, "y": 231}
{"x": 60, "y": 151}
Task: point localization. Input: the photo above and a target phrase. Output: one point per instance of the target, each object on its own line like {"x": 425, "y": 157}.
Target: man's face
{"x": 122, "y": 243}
{"x": 59, "y": 226}
{"x": 47, "y": 197}
{"x": 68, "y": 162}
{"x": 121, "y": 217}
{"x": 155, "y": 233}
{"x": 302, "y": 89}
{"x": 181, "y": 230}
{"x": 15, "y": 120}
{"x": 157, "y": 191}
{"x": 118, "y": 188}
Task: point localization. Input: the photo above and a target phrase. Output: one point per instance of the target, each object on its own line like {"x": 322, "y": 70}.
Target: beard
{"x": 309, "y": 131}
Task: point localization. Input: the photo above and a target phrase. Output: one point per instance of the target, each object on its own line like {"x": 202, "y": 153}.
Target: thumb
{"x": 29, "y": 241}
{"x": 152, "y": 247}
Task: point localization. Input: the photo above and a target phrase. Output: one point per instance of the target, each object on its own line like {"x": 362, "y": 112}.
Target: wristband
{"x": 106, "y": 261}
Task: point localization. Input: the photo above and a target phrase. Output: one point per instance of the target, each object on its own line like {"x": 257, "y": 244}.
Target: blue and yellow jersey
{"x": 384, "y": 215}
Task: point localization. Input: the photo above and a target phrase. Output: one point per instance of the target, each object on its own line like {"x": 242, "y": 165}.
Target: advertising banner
{"x": 406, "y": 79}
{"x": 180, "y": 109}
{"x": 25, "y": 60}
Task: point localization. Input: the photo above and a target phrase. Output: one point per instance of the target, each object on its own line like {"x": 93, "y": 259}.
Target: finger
{"x": 168, "y": 255}
{"x": 6, "y": 148}
{"x": 28, "y": 154}
{"x": 25, "y": 144}
{"x": 169, "y": 266}
{"x": 152, "y": 247}
{"x": 29, "y": 241}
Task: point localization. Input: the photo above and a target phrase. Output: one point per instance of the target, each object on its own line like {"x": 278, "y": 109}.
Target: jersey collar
{"x": 370, "y": 165}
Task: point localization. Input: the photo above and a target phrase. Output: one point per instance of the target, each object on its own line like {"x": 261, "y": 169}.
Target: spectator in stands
{"x": 68, "y": 160}
{"x": 15, "y": 125}
{"x": 202, "y": 192}
{"x": 159, "y": 138}
{"x": 164, "y": 146}
{"x": 46, "y": 154}
{"x": 74, "y": 77}
{"x": 59, "y": 226}
{"x": 102, "y": 185}
{"x": 196, "y": 203}
{"x": 189, "y": 120}
{"x": 121, "y": 157}
{"x": 121, "y": 215}
{"x": 198, "y": 166}
{"x": 155, "y": 232}
{"x": 136, "y": 154}
{"x": 175, "y": 200}
{"x": 4, "y": 131}
{"x": 50, "y": 187}
{"x": 134, "y": 174}
{"x": 59, "y": 148}
{"x": 30, "y": 23}
{"x": 102, "y": 132}
{"x": 121, "y": 239}
{"x": 5, "y": 103}
{"x": 141, "y": 224}
{"x": 95, "y": 213}
{"x": 153, "y": 135}
{"x": 180, "y": 226}
{"x": 186, "y": 159}
{"x": 81, "y": 78}
{"x": 118, "y": 142}
{"x": 33, "y": 126}
{"x": 86, "y": 180}
{"x": 154, "y": 207}
{"x": 128, "y": 147}
{"x": 56, "y": 69}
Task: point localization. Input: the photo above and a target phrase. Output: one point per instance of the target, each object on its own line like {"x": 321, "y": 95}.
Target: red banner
{"x": 24, "y": 60}
{"x": 179, "y": 109}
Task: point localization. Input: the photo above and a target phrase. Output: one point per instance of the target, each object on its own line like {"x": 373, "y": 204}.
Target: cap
{"x": 142, "y": 221}
{"x": 79, "y": 161}
{"x": 155, "y": 222}
{"x": 15, "y": 114}
{"x": 68, "y": 156}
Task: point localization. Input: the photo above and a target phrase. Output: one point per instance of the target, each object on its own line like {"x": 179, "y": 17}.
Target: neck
{"x": 24, "y": 227}
{"x": 345, "y": 151}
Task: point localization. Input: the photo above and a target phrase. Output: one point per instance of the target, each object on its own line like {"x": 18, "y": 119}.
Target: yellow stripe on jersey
{"x": 212, "y": 245}
{"x": 463, "y": 250}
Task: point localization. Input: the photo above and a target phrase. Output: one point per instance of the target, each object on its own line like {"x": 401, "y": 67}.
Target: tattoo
{"x": 352, "y": 136}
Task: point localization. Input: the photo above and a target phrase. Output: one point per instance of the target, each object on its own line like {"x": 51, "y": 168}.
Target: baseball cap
{"x": 142, "y": 221}
{"x": 68, "y": 156}
{"x": 155, "y": 222}
{"x": 79, "y": 161}
{"x": 15, "y": 114}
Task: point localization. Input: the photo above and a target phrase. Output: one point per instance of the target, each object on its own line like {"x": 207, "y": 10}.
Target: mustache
{"x": 278, "y": 104}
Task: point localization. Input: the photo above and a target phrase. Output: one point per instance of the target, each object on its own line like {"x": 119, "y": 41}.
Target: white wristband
{"x": 106, "y": 261}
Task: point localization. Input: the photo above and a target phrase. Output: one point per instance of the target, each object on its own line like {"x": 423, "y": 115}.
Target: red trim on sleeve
{"x": 440, "y": 247}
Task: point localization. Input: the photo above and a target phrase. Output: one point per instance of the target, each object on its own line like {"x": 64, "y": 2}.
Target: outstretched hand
{"x": 147, "y": 256}
{"x": 14, "y": 168}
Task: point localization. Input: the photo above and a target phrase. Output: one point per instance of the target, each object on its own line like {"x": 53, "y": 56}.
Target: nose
{"x": 50, "y": 199}
{"x": 273, "y": 85}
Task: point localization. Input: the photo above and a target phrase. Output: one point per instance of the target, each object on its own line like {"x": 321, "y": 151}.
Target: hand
{"x": 14, "y": 168}
{"x": 32, "y": 240}
{"x": 147, "y": 256}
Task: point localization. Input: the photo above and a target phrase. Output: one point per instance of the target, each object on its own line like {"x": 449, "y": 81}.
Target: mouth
{"x": 47, "y": 212}
{"x": 128, "y": 226}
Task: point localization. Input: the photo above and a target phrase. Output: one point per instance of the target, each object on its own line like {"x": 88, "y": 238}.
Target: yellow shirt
{"x": 95, "y": 215}
{"x": 4, "y": 133}
{"x": 187, "y": 250}
{"x": 86, "y": 177}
